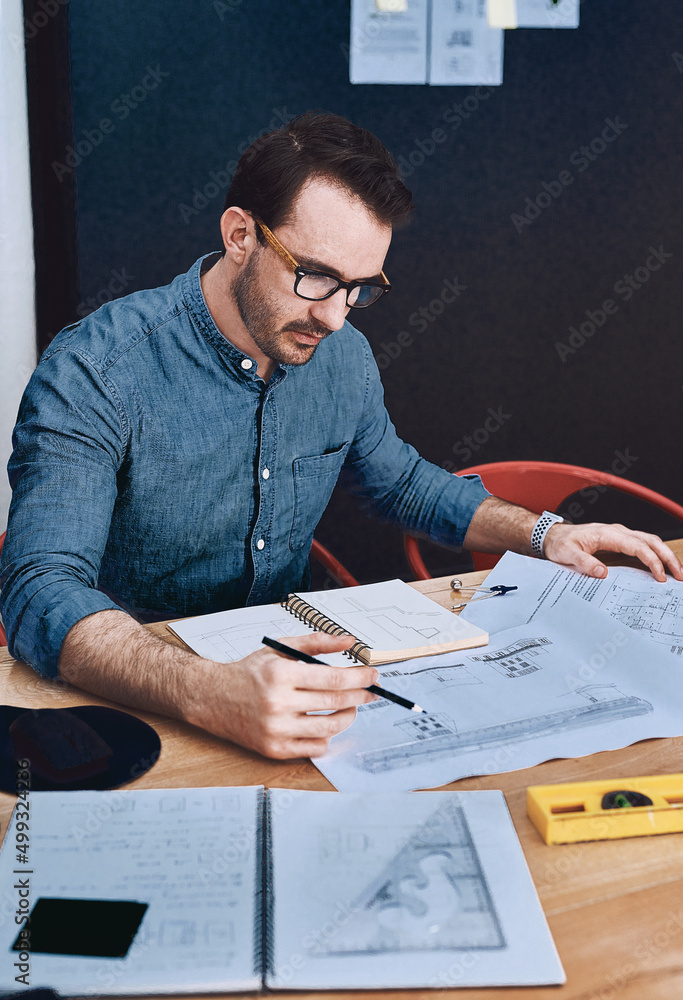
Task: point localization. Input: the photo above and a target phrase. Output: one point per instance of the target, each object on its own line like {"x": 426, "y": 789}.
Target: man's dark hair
{"x": 272, "y": 171}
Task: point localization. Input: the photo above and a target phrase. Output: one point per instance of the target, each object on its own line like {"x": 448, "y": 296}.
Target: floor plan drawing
{"x": 233, "y": 642}
{"x": 445, "y": 675}
{"x": 658, "y": 614}
{"x": 403, "y": 626}
{"x": 435, "y": 736}
{"x": 631, "y": 596}
{"x": 516, "y": 660}
{"x": 431, "y": 896}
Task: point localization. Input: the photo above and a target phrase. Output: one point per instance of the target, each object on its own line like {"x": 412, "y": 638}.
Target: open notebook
{"x": 227, "y": 889}
{"x": 390, "y": 621}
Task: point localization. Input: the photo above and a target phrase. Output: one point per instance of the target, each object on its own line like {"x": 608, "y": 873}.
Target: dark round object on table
{"x": 86, "y": 747}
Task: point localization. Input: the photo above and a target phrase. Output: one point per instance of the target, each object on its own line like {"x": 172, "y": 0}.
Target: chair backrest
{"x": 3, "y": 637}
{"x": 540, "y": 486}
{"x": 336, "y": 570}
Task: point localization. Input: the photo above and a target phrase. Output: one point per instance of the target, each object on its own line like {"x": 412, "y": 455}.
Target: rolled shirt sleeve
{"x": 68, "y": 444}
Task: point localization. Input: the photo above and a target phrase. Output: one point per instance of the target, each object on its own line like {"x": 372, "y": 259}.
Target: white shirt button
{"x": 266, "y": 473}
{"x": 260, "y": 544}
{"x": 247, "y": 363}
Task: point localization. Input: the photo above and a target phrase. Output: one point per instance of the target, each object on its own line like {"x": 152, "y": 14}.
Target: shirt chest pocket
{"x": 314, "y": 479}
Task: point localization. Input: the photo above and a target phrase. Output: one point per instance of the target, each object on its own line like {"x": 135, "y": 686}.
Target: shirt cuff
{"x": 51, "y": 612}
{"x": 462, "y": 495}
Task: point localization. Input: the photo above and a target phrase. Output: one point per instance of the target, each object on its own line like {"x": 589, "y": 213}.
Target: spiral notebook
{"x": 214, "y": 890}
{"x": 390, "y": 621}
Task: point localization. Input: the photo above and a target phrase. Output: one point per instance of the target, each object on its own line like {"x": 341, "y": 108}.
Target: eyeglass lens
{"x": 318, "y": 286}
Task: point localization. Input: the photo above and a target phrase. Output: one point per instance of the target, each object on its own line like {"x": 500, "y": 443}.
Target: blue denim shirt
{"x": 154, "y": 471}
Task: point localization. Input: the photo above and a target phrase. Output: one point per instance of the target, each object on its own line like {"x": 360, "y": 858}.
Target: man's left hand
{"x": 573, "y": 545}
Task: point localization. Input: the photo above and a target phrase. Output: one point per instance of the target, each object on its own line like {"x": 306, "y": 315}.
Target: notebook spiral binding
{"x": 264, "y": 951}
{"x": 315, "y": 619}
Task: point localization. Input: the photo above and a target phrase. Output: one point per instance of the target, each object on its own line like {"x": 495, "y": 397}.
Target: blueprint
{"x": 631, "y": 596}
{"x": 539, "y": 690}
{"x": 402, "y": 891}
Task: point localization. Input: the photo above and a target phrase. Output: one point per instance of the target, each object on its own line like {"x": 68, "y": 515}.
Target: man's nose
{"x": 331, "y": 312}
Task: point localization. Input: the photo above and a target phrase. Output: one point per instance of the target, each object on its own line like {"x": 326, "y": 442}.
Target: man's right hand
{"x": 262, "y": 701}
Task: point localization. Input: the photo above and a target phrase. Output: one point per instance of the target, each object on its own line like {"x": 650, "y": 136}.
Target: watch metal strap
{"x": 541, "y": 529}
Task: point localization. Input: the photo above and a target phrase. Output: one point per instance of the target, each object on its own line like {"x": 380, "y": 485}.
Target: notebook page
{"x": 391, "y": 616}
{"x": 402, "y": 890}
{"x": 189, "y": 854}
{"x": 226, "y": 636}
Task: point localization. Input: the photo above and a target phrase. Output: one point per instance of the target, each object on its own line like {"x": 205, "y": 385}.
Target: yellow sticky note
{"x": 392, "y": 6}
{"x": 501, "y": 13}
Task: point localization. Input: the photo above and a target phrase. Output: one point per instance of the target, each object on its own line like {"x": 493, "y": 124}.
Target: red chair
{"x": 332, "y": 565}
{"x": 539, "y": 486}
{"x": 3, "y": 637}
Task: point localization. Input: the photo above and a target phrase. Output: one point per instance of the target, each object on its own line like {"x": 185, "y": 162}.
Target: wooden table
{"x": 615, "y": 908}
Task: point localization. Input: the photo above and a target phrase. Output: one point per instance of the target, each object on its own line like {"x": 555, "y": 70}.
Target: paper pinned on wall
{"x": 388, "y": 46}
{"x": 533, "y": 13}
{"x": 465, "y": 50}
{"x": 392, "y": 6}
{"x": 502, "y": 13}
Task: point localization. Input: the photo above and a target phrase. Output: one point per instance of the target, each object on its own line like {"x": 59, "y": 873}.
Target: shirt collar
{"x": 203, "y": 320}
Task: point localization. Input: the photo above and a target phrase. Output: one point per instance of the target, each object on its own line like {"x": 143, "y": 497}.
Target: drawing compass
{"x": 498, "y": 591}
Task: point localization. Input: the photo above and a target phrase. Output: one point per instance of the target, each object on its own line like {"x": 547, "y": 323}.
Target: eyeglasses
{"x": 317, "y": 285}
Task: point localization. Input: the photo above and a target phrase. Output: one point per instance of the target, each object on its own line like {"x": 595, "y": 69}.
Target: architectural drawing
{"x": 659, "y": 613}
{"x": 432, "y": 736}
{"x": 232, "y": 642}
{"x": 426, "y": 727}
{"x": 444, "y": 675}
{"x": 518, "y": 659}
{"x": 431, "y": 896}
{"x": 406, "y": 627}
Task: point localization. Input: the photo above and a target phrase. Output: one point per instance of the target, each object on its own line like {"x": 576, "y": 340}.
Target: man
{"x": 175, "y": 450}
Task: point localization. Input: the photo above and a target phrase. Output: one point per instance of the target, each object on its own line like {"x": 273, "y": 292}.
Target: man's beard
{"x": 257, "y": 316}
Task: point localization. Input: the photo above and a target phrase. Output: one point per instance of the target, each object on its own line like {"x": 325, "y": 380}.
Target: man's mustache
{"x": 314, "y": 329}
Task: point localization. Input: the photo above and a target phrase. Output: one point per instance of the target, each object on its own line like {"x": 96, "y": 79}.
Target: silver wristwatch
{"x": 541, "y": 529}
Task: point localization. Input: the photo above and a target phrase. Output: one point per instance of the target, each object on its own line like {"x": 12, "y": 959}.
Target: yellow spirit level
{"x": 607, "y": 810}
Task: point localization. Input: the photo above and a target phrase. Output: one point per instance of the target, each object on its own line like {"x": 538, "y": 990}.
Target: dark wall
{"x": 204, "y": 77}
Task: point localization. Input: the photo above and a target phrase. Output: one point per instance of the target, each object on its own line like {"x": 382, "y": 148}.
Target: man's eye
{"x": 317, "y": 284}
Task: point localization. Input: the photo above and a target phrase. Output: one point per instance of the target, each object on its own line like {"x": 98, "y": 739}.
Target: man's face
{"x": 329, "y": 230}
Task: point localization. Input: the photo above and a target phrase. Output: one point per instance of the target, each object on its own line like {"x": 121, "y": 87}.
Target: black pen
{"x": 296, "y": 654}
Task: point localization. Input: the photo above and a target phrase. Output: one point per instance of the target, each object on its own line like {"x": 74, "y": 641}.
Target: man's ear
{"x": 239, "y": 237}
